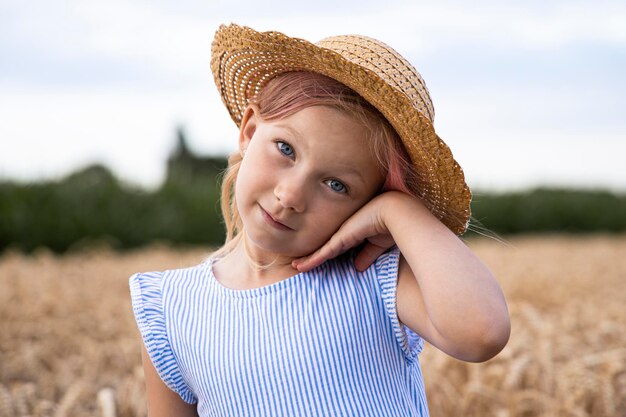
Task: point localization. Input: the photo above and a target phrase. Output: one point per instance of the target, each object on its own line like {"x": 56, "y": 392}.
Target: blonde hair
{"x": 290, "y": 92}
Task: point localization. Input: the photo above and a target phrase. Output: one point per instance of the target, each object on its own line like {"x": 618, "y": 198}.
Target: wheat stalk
{"x": 106, "y": 401}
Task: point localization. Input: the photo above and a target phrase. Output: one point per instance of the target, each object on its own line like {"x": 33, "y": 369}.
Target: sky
{"x": 526, "y": 93}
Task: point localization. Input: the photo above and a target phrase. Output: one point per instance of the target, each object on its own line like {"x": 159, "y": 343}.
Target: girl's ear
{"x": 249, "y": 123}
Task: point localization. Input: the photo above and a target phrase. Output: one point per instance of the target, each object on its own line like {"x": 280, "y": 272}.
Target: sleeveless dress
{"x": 326, "y": 342}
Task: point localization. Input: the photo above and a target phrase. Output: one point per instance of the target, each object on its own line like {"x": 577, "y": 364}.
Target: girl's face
{"x": 301, "y": 177}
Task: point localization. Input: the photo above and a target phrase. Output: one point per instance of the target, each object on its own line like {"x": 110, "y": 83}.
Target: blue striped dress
{"x": 321, "y": 343}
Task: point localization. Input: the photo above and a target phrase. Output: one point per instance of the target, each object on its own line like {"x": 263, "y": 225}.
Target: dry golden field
{"x": 69, "y": 345}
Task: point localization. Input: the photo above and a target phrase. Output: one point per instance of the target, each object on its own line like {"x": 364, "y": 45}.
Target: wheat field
{"x": 69, "y": 345}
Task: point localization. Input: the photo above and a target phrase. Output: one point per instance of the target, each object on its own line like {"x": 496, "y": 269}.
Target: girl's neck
{"x": 253, "y": 267}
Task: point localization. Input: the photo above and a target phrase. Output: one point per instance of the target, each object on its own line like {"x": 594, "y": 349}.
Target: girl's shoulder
{"x": 152, "y": 299}
{"x": 155, "y": 281}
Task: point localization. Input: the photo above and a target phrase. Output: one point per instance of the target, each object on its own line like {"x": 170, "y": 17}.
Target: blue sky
{"x": 525, "y": 93}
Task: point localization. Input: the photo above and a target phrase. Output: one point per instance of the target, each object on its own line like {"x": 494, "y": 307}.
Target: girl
{"x": 342, "y": 209}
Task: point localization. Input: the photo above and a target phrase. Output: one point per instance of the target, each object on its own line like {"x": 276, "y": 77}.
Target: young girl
{"x": 343, "y": 210}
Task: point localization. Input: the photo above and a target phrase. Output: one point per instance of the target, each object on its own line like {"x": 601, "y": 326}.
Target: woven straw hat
{"x": 244, "y": 60}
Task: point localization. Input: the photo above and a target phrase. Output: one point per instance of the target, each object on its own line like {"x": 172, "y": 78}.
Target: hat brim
{"x": 244, "y": 60}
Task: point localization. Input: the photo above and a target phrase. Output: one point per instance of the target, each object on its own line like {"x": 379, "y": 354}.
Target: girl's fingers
{"x": 337, "y": 245}
{"x": 306, "y": 264}
{"x": 309, "y": 262}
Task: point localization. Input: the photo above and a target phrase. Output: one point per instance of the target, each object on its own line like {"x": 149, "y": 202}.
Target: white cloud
{"x": 133, "y": 134}
{"x": 502, "y": 142}
{"x": 506, "y": 159}
{"x": 140, "y": 32}
{"x": 510, "y": 25}
{"x": 179, "y": 43}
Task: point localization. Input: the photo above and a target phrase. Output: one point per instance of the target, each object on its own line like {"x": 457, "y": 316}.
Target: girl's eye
{"x": 285, "y": 148}
{"x": 337, "y": 186}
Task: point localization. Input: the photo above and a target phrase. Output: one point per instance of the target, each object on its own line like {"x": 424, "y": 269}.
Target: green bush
{"x": 550, "y": 210}
{"x": 93, "y": 206}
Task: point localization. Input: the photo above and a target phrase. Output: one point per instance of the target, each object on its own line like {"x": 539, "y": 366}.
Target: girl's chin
{"x": 277, "y": 246}
{"x": 273, "y": 249}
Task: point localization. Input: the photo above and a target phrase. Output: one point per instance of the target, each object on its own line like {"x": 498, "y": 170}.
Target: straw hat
{"x": 244, "y": 60}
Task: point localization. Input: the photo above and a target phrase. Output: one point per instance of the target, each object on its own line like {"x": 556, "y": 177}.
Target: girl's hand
{"x": 366, "y": 225}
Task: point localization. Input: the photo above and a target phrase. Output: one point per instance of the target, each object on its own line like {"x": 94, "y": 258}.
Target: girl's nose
{"x": 291, "y": 193}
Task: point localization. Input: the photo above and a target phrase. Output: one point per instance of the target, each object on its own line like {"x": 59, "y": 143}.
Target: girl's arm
{"x": 162, "y": 401}
{"x": 445, "y": 293}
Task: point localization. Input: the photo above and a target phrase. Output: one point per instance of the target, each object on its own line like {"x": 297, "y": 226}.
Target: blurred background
{"x": 95, "y": 98}
{"x": 113, "y": 140}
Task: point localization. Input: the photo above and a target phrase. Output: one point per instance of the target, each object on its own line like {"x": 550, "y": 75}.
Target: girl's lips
{"x": 273, "y": 222}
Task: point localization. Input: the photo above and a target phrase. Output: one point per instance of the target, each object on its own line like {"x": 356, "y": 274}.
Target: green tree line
{"x": 92, "y": 205}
